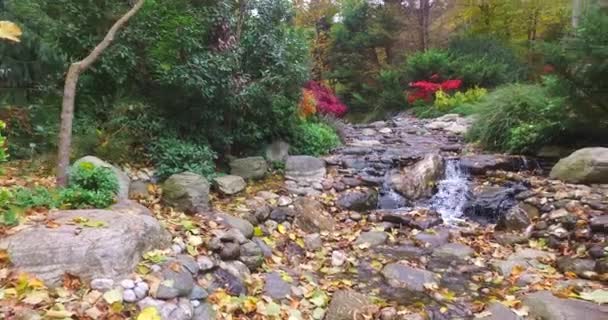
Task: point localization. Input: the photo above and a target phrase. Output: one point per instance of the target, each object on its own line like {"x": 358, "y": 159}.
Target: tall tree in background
{"x": 69, "y": 94}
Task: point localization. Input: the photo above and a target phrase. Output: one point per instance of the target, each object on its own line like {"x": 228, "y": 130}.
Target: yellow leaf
{"x": 149, "y": 313}
{"x": 281, "y": 228}
{"x": 10, "y": 31}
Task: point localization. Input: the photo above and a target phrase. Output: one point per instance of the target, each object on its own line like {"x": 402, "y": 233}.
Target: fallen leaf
{"x": 112, "y": 296}
{"x": 149, "y": 313}
{"x": 598, "y": 296}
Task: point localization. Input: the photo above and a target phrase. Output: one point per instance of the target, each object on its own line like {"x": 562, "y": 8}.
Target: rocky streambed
{"x": 405, "y": 221}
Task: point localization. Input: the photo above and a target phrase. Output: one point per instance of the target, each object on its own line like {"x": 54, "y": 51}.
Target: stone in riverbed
{"x": 491, "y": 203}
{"x": 588, "y": 165}
{"x": 583, "y": 268}
{"x": 244, "y": 226}
{"x": 599, "y": 224}
{"x": 111, "y": 251}
{"x": 372, "y": 238}
{"x": 305, "y": 169}
{"x": 229, "y": 184}
{"x": 500, "y": 312}
{"x": 359, "y": 200}
{"x": 452, "y": 252}
{"x": 407, "y": 283}
{"x": 249, "y": 168}
{"x": 275, "y": 287}
{"x": 311, "y": 217}
{"x": 347, "y": 304}
{"x": 517, "y": 218}
{"x": 544, "y": 305}
{"x": 480, "y": 164}
{"x": 188, "y": 192}
{"x": 419, "y": 181}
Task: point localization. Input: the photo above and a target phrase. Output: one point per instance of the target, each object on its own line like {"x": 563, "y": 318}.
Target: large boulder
{"x": 588, "y": 165}
{"x": 249, "y": 168}
{"x": 419, "y": 181}
{"x": 544, "y": 305}
{"x": 88, "y": 244}
{"x": 123, "y": 180}
{"x": 348, "y": 305}
{"x": 311, "y": 217}
{"x": 188, "y": 192}
{"x": 230, "y": 184}
{"x": 305, "y": 169}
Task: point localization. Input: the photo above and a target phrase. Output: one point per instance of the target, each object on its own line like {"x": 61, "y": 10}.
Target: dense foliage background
{"x": 189, "y": 83}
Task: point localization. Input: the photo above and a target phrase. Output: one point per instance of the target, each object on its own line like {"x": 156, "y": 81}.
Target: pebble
{"x": 140, "y": 292}
{"x": 195, "y": 303}
{"x": 127, "y": 284}
{"x": 102, "y": 284}
{"x": 313, "y": 241}
{"x": 155, "y": 268}
{"x": 338, "y": 258}
{"x": 284, "y": 201}
{"x": 177, "y": 249}
{"x": 205, "y": 263}
{"x": 355, "y": 216}
{"x": 129, "y": 296}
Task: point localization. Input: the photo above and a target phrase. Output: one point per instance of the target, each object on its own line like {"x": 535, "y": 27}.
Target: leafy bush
{"x": 485, "y": 62}
{"x": 518, "y": 118}
{"x": 425, "y": 90}
{"x": 89, "y": 177}
{"x": 445, "y": 102}
{"x": 326, "y": 101}
{"x": 314, "y": 139}
{"x": 172, "y": 155}
{"x": 90, "y": 187}
{"x": 424, "y": 65}
{"x": 78, "y": 198}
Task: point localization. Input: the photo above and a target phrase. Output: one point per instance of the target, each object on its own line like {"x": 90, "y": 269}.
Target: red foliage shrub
{"x": 425, "y": 90}
{"x": 326, "y": 100}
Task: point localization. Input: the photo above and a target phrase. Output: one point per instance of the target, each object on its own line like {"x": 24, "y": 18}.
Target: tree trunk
{"x": 576, "y": 12}
{"x": 424, "y": 17}
{"x": 69, "y": 94}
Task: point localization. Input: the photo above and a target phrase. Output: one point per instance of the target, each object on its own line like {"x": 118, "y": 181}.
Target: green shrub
{"x": 445, "y": 102}
{"x": 172, "y": 155}
{"x": 89, "y": 177}
{"x": 79, "y": 198}
{"x": 392, "y": 96}
{"x": 518, "y": 118}
{"x": 423, "y": 65}
{"x": 485, "y": 62}
{"x": 314, "y": 139}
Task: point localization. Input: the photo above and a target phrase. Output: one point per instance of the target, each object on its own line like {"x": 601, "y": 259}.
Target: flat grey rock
{"x": 111, "y": 251}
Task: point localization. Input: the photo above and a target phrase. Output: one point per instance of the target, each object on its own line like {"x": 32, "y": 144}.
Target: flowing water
{"x": 452, "y": 194}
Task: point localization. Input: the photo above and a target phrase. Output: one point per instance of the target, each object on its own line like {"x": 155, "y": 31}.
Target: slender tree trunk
{"x": 424, "y": 17}
{"x": 576, "y": 12}
{"x": 69, "y": 94}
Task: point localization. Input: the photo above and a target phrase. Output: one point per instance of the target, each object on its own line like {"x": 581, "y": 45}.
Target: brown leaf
{"x": 71, "y": 282}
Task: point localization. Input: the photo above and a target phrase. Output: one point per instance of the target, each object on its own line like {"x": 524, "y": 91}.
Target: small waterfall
{"x": 452, "y": 194}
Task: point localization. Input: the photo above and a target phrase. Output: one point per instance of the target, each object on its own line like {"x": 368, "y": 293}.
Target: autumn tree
{"x": 69, "y": 93}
